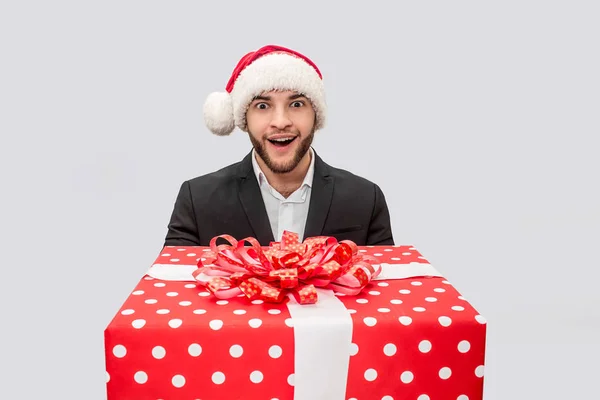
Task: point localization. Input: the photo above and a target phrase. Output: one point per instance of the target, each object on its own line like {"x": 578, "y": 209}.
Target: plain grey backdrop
{"x": 478, "y": 119}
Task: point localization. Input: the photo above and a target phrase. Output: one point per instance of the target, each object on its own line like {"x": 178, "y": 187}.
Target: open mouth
{"x": 282, "y": 142}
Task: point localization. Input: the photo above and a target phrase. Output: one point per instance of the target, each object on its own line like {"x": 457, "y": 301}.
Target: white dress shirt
{"x": 286, "y": 214}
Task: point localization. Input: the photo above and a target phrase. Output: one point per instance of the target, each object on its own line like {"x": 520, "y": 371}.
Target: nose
{"x": 281, "y": 119}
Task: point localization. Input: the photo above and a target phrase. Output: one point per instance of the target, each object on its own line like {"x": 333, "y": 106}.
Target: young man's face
{"x": 281, "y": 128}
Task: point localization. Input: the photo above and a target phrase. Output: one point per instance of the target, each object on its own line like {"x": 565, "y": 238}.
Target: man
{"x": 276, "y": 95}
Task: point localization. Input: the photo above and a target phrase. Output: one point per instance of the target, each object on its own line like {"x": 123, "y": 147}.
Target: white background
{"x": 477, "y": 119}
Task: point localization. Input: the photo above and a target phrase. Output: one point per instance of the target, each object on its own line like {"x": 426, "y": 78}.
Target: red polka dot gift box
{"x": 407, "y": 334}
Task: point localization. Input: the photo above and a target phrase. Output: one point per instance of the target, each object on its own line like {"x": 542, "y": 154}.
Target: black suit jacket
{"x": 229, "y": 201}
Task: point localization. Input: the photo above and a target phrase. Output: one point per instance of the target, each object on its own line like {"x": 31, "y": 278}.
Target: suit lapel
{"x": 320, "y": 199}
{"x": 252, "y": 202}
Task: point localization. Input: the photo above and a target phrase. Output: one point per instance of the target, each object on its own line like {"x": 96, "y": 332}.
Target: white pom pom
{"x": 218, "y": 113}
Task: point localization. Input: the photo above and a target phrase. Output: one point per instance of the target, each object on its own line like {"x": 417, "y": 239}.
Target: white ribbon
{"x": 322, "y": 331}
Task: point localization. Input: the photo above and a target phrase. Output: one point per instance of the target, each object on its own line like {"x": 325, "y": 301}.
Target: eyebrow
{"x": 268, "y": 98}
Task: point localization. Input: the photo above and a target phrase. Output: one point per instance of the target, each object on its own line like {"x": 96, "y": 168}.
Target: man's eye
{"x": 297, "y": 104}
{"x": 261, "y": 106}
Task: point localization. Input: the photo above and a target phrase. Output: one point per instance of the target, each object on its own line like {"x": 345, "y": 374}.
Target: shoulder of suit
{"x": 346, "y": 177}
{"x": 220, "y": 176}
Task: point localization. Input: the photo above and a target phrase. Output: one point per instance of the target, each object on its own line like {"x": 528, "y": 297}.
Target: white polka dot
{"x": 416, "y": 283}
{"x": 139, "y": 292}
{"x": 159, "y": 284}
{"x": 362, "y": 251}
{"x": 419, "y": 309}
{"x": 215, "y": 324}
{"x": 255, "y": 322}
{"x": 370, "y": 321}
{"x": 138, "y": 323}
{"x": 194, "y": 349}
{"x": 256, "y": 377}
{"x": 389, "y": 349}
{"x": 119, "y": 351}
{"x": 388, "y": 250}
{"x": 140, "y": 377}
{"x": 396, "y": 301}
{"x": 148, "y": 278}
{"x": 290, "y": 380}
{"x": 107, "y": 376}
{"x": 159, "y": 352}
{"x": 462, "y": 397}
{"x": 370, "y": 374}
{"x": 185, "y": 303}
{"x": 199, "y": 311}
{"x": 387, "y": 398}
{"x": 374, "y": 293}
{"x": 174, "y": 259}
{"x": 383, "y": 310}
{"x": 275, "y": 352}
{"x": 407, "y": 377}
{"x": 166, "y": 255}
{"x": 439, "y": 290}
{"x": 163, "y": 311}
{"x": 257, "y": 301}
{"x": 362, "y": 301}
{"x": 218, "y": 378}
{"x": 204, "y": 294}
{"x": 430, "y": 299}
{"x": 236, "y": 351}
{"x": 191, "y": 254}
{"x": 339, "y": 294}
{"x": 274, "y": 311}
{"x": 175, "y": 323}
{"x": 239, "y": 312}
{"x": 180, "y": 249}
{"x": 351, "y": 311}
{"x": 464, "y": 346}
{"x": 222, "y": 302}
{"x": 406, "y": 253}
{"x": 405, "y": 320}
{"x": 353, "y": 349}
{"x": 383, "y": 284}
{"x": 396, "y": 258}
{"x": 480, "y": 319}
{"x": 445, "y": 321}
{"x": 425, "y": 346}
{"x": 446, "y": 283}
{"x": 172, "y": 294}
{"x": 404, "y": 291}
{"x": 458, "y": 308}
{"x": 445, "y": 373}
{"x": 289, "y": 322}
{"x": 479, "y": 371}
{"x": 151, "y": 301}
{"x": 423, "y": 397}
{"x": 377, "y": 254}
{"x": 190, "y": 286}
{"x": 127, "y": 312}
{"x": 461, "y": 298}
{"x": 178, "y": 381}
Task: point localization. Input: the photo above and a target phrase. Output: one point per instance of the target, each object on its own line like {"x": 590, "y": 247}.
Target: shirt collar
{"x": 308, "y": 178}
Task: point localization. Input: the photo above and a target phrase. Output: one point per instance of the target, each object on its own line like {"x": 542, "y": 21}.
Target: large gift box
{"x": 408, "y": 334}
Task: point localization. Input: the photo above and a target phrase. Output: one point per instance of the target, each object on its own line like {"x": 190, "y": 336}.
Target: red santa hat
{"x": 269, "y": 68}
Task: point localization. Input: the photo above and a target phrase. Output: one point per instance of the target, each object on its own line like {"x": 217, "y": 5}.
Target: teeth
{"x": 281, "y": 140}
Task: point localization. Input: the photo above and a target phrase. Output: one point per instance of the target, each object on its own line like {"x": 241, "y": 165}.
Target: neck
{"x": 286, "y": 183}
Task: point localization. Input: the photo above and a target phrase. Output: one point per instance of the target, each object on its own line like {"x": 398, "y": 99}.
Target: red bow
{"x": 285, "y": 267}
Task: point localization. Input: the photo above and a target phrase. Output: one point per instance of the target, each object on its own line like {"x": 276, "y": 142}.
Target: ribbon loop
{"x": 285, "y": 267}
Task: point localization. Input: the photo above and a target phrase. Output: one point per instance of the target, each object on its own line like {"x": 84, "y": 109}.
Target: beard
{"x": 282, "y": 168}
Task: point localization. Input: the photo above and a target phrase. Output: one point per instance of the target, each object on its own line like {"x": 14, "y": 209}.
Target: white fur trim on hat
{"x": 277, "y": 71}
{"x": 218, "y": 113}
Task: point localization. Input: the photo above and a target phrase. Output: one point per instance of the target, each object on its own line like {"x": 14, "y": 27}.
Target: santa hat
{"x": 269, "y": 68}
